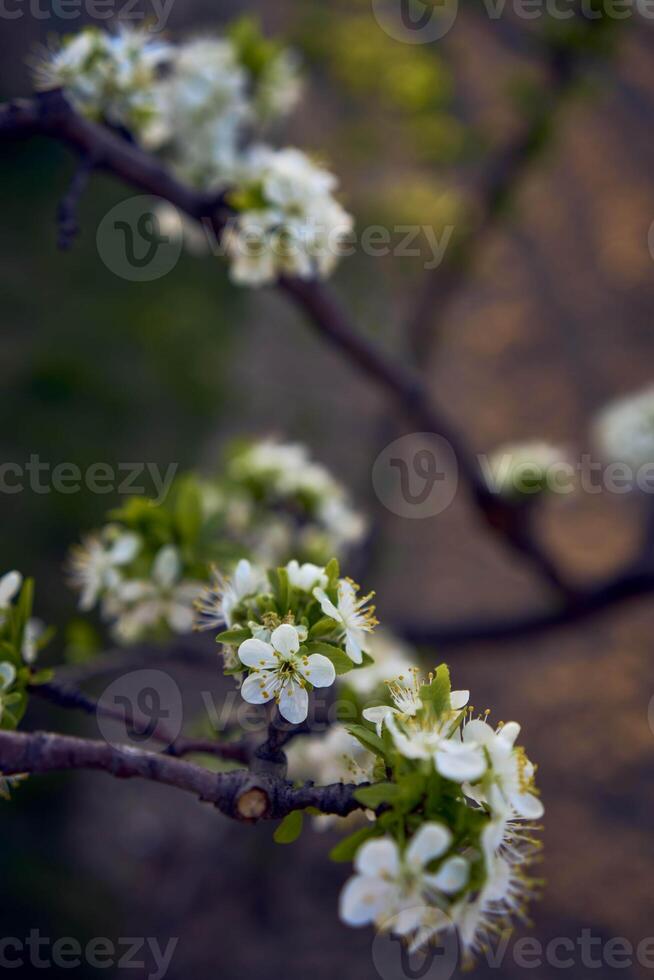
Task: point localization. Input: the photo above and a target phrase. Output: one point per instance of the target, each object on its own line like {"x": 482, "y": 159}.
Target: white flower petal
{"x": 293, "y": 702}
{"x": 124, "y": 549}
{"x": 430, "y": 842}
{"x": 318, "y": 670}
{"x": 451, "y": 876}
{"x": 7, "y": 675}
{"x": 257, "y": 654}
{"x": 166, "y": 567}
{"x": 378, "y": 715}
{"x": 365, "y": 899}
{"x": 285, "y": 639}
{"x": 459, "y": 699}
{"x": 180, "y": 617}
{"x": 9, "y": 586}
{"x": 527, "y": 805}
{"x": 259, "y": 687}
{"x": 460, "y": 763}
{"x": 353, "y": 645}
{"x": 378, "y": 857}
{"x": 326, "y": 604}
{"x": 478, "y": 731}
{"x": 509, "y": 732}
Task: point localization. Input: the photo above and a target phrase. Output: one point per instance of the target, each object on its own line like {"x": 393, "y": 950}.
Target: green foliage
{"x": 290, "y": 828}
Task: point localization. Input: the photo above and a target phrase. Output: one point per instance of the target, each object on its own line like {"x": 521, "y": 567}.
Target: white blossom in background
{"x": 7, "y": 678}
{"x": 138, "y": 605}
{"x": 287, "y": 474}
{"x": 391, "y": 656}
{"x": 624, "y": 430}
{"x": 203, "y": 107}
{"x": 289, "y": 221}
{"x": 353, "y": 615}
{"x": 10, "y": 585}
{"x": 332, "y": 757}
{"x": 177, "y": 226}
{"x": 95, "y": 565}
{"x": 306, "y": 577}
{"x": 214, "y": 608}
{"x": 279, "y": 671}
{"x": 108, "y": 75}
{"x": 523, "y": 468}
{"x": 279, "y": 87}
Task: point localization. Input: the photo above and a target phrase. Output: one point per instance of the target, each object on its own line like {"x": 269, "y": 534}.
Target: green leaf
{"x": 437, "y": 693}
{"x": 188, "y": 510}
{"x": 367, "y": 738}
{"x": 322, "y": 627}
{"x": 232, "y": 637}
{"x": 346, "y": 849}
{"x": 374, "y": 796}
{"x": 341, "y": 661}
{"x": 333, "y": 571}
{"x": 290, "y": 828}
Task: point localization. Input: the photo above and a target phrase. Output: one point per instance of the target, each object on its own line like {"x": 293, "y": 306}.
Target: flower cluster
{"x": 198, "y": 105}
{"x": 292, "y": 506}
{"x": 146, "y": 567}
{"x": 454, "y": 836}
{"x": 288, "y": 219}
{"x": 520, "y": 471}
{"x": 288, "y": 630}
{"x": 109, "y": 77}
{"x": 624, "y": 430}
{"x": 21, "y": 638}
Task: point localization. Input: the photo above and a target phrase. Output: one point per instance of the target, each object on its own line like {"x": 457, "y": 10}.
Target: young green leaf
{"x": 367, "y": 738}
{"x": 290, "y": 828}
{"x": 373, "y": 796}
{"x": 233, "y": 637}
{"x": 346, "y": 849}
{"x": 437, "y": 693}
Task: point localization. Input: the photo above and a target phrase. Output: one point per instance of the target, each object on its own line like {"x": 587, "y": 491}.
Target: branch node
{"x": 252, "y": 804}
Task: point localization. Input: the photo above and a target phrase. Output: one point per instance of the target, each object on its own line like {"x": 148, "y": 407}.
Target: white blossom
{"x": 280, "y": 671}
{"x": 306, "y": 577}
{"x": 507, "y": 786}
{"x": 624, "y": 430}
{"x": 108, "y": 75}
{"x": 138, "y": 605}
{"x": 391, "y": 658}
{"x": 297, "y": 230}
{"x": 95, "y": 564}
{"x": 9, "y": 588}
{"x": 350, "y": 612}
{"x": 216, "y": 605}
{"x": 7, "y": 678}
{"x": 395, "y": 886}
{"x": 523, "y": 468}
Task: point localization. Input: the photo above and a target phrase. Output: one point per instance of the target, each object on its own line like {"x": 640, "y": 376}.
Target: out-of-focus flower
{"x": 624, "y": 430}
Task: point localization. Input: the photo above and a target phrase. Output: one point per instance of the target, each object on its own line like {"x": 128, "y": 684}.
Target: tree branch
{"x": 241, "y": 795}
{"x": 613, "y": 592}
{"x": 66, "y": 696}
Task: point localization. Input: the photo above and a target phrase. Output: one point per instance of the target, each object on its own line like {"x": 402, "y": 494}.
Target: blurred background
{"x": 552, "y": 321}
